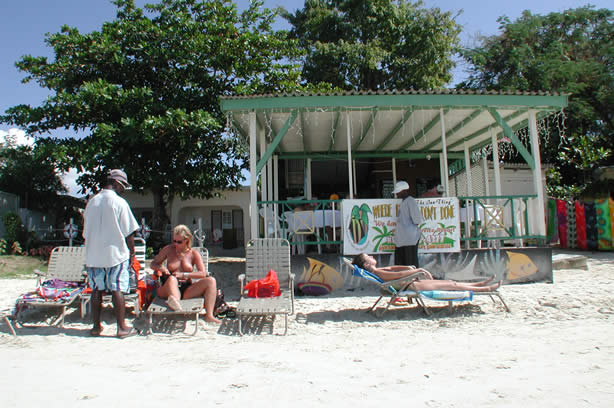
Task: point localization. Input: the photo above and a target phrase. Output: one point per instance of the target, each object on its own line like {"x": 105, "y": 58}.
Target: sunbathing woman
{"x": 178, "y": 273}
{"x": 389, "y": 273}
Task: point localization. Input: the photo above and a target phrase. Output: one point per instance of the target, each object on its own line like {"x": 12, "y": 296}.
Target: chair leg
{"x": 286, "y": 327}
{"x": 372, "y": 308}
{"x": 197, "y": 322}
{"x": 10, "y": 325}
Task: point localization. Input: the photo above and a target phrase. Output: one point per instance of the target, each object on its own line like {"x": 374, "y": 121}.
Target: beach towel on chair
{"x": 448, "y": 295}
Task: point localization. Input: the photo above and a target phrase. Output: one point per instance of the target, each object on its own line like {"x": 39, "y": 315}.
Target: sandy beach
{"x": 555, "y": 349}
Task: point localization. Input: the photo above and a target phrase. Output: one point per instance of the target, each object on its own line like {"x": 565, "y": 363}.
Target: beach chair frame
{"x": 261, "y": 255}
{"x": 191, "y": 307}
{"x": 65, "y": 263}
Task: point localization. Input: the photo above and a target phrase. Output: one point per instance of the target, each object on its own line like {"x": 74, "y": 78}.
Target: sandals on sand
{"x": 399, "y": 301}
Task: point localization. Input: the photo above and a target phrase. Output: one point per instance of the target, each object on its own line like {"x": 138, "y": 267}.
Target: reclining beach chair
{"x": 132, "y": 297}
{"x": 59, "y": 288}
{"x": 261, "y": 255}
{"x": 190, "y": 307}
{"x": 402, "y": 288}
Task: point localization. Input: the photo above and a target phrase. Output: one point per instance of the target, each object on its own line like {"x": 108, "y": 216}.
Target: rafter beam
{"x": 396, "y": 129}
{"x": 456, "y": 128}
{"x": 424, "y": 130}
{"x": 334, "y": 132}
{"x": 367, "y": 128}
{"x": 507, "y": 130}
{"x": 482, "y": 131}
{"x": 280, "y": 135}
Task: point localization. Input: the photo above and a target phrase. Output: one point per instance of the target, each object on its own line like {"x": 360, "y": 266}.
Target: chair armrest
{"x": 291, "y": 281}
{"x": 405, "y": 282}
{"x": 241, "y": 279}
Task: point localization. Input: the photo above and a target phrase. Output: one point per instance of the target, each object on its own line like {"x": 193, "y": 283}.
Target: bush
{"x": 14, "y": 228}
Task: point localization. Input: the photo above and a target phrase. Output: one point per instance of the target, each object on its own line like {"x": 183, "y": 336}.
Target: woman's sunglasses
{"x": 179, "y": 242}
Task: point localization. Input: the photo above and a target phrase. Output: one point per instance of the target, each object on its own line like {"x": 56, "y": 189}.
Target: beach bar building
{"x": 321, "y": 155}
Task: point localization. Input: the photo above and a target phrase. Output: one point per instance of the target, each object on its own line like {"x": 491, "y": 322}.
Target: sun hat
{"x": 400, "y": 186}
{"x": 119, "y": 176}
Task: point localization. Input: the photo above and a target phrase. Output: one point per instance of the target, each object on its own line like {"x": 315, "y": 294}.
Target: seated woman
{"x": 394, "y": 272}
{"x": 178, "y": 273}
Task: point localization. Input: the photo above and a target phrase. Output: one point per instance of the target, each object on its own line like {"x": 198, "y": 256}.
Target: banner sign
{"x": 369, "y": 225}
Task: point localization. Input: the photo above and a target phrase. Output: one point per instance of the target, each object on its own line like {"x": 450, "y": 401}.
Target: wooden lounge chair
{"x": 402, "y": 288}
{"x": 261, "y": 255}
{"x": 190, "y": 307}
{"x": 66, "y": 264}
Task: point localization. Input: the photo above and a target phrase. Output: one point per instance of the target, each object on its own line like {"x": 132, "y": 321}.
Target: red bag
{"x": 265, "y": 287}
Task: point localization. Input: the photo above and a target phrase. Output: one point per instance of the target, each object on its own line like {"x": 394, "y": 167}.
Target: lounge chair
{"x": 132, "y": 297}
{"x": 66, "y": 264}
{"x": 261, "y": 255}
{"x": 402, "y": 288}
{"x": 190, "y": 307}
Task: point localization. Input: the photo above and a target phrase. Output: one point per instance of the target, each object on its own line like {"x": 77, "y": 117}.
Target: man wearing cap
{"x": 108, "y": 228}
{"x": 407, "y": 233}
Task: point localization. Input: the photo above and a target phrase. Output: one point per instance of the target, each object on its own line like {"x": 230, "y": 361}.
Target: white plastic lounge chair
{"x": 66, "y": 264}
{"x": 190, "y": 307}
{"x": 261, "y": 255}
{"x": 402, "y": 288}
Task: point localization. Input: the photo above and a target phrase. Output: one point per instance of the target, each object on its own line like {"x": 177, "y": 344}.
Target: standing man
{"x": 108, "y": 229}
{"x": 407, "y": 234}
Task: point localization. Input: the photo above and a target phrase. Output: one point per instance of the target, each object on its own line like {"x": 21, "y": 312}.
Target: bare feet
{"x": 487, "y": 288}
{"x": 96, "y": 331}
{"x": 485, "y": 282}
{"x": 212, "y": 319}
{"x": 127, "y": 332}
{"x": 174, "y": 303}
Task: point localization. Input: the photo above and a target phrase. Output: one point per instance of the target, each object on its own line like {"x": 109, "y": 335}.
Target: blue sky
{"x": 25, "y": 22}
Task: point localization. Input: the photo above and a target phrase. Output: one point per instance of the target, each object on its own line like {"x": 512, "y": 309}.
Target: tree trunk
{"x": 159, "y": 217}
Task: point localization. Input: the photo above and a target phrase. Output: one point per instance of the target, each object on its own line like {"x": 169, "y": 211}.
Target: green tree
{"x": 144, "y": 93}
{"x": 30, "y": 175}
{"x": 375, "y": 44}
{"x": 569, "y": 52}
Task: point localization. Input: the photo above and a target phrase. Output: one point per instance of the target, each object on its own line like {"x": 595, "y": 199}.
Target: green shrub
{"x": 14, "y": 228}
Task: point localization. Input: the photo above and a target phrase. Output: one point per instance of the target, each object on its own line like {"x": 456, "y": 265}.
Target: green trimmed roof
{"x": 386, "y": 124}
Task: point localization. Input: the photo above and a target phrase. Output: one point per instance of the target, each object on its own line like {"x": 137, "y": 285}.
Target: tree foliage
{"x": 145, "y": 92}
{"x": 569, "y": 52}
{"x": 375, "y": 44}
{"x": 30, "y": 175}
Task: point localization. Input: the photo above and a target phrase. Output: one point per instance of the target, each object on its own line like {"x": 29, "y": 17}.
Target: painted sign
{"x": 441, "y": 228}
{"x": 369, "y": 225}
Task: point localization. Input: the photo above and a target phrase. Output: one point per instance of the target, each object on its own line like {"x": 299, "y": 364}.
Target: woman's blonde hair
{"x": 185, "y": 232}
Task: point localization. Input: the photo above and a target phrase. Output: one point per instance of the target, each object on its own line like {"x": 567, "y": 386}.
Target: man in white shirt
{"x": 407, "y": 233}
{"x": 108, "y": 229}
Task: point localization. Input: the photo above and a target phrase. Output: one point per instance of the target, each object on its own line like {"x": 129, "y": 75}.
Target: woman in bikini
{"x": 183, "y": 264}
{"x": 394, "y": 272}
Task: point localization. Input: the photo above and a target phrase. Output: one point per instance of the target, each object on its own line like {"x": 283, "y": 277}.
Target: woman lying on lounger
{"x": 394, "y": 272}
{"x": 178, "y": 273}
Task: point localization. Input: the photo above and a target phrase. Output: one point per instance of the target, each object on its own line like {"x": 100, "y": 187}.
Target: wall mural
{"x": 325, "y": 273}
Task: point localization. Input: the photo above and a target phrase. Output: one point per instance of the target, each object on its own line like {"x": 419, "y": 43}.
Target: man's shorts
{"x": 114, "y": 278}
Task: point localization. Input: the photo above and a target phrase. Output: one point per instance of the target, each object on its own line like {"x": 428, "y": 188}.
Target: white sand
{"x": 556, "y": 349}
